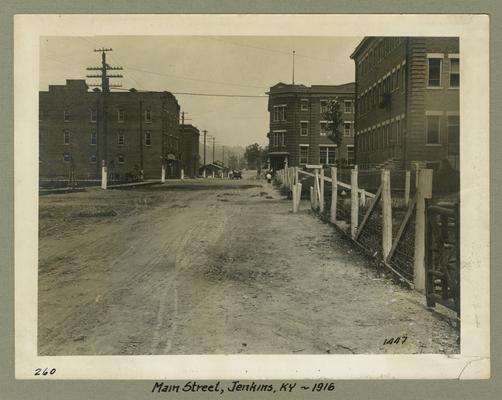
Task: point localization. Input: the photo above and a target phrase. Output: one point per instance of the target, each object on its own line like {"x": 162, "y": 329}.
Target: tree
{"x": 253, "y": 156}
{"x": 333, "y": 115}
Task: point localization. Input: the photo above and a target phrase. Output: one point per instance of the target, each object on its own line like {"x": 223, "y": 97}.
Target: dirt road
{"x": 214, "y": 267}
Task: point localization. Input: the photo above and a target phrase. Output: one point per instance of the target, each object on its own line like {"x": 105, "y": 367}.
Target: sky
{"x": 230, "y": 65}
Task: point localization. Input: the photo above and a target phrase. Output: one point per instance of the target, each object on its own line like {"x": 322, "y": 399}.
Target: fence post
{"x": 296, "y": 174}
{"x": 424, "y": 191}
{"x": 298, "y": 195}
{"x": 386, "y": 214}
{"x": 163, "y": 174}
{"x": 354, "y": 203}
{"x": 321, "y": 191}
{"x": 295, "y": 209}
{"x": 312, "y": 197}
{"x": 316, "y": 188}
{"x": 417, "y": 173}
{"x": 182, "y": 174}
{"x": 334, "y": 194}
{"x": 363, "y": 198}
{"x": 407, "y": 188}
{"x": 104, "y": 176}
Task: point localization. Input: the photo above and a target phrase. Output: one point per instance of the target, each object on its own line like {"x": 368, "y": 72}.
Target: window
{"x": 120, "y": 115}
{"x": 350, "y": 154}
{"x": 304, "y": 128}
{"x": 148, "y": 138}
{"x": 433, "y": 129}
{"x": 121, "y": 158}
{"x": 66, "y": 157}
{"x": 278, "y": 139}
{"x": 66, "y": 137}
{"x": 121, "y": 138}
{"x": 347, "y": 129}
{"x": 280, "y": 113}
{"x": 454, "y": 72}
{"x": 92, "y": 159}
{"x": 397, "y": 139}
{"x": 94, "y": 138}
{"x": 324, "y": 106}
{"x": 349, "y": 106}
{"x": 304, "y": 105}
{"x": 148, "y": 115}
{"x": 325, "y": 127}
{"x": 66, "y": 115}
{"x": 94, "y": 116}
{"x": 453, "y": 129}
{"x": 327, "y": 155}
{"x": 403, "y": 78}
{"x": 304, "y": 154}
{"x": 434, "y": 72}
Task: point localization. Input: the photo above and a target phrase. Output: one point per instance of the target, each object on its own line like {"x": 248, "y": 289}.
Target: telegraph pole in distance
{"x": 204, "y": 171}
{"x": 213, "y": 148}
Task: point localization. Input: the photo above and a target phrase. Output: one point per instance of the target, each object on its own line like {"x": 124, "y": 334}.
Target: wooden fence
{"x": 393, "y": 232}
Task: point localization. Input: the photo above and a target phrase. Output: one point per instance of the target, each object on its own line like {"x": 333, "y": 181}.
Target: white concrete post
{"x": 424, "y": 191}
{"x": 298, "y": 195}
{"x": 296, "y": 174}
{"x": 316, "y": 188}
{"x": 321, "y": 191}
{"x": 204, "y": 173}
{"x": 334, "y": 194}
{"x": 163, "y": 174}
{"x": 295, "y": 209}
{"x": 104, "y": 176}
{"x": 213, "y": 173}
{"x": 182, "y": 174}
{"x": 354, "y": 204}
{"x": 386, "y": 214}
{"x": 312, "y": 197}
{"x": 407, "y": 188}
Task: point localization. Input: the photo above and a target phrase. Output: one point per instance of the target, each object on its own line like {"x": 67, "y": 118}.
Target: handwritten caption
{"x": 220, "y": 388}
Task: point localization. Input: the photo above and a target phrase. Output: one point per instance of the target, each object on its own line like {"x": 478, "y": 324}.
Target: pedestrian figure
{"x": 269, "y": 177}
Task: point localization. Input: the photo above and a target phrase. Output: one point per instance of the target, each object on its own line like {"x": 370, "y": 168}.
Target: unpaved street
{"x": 211, "y": 267}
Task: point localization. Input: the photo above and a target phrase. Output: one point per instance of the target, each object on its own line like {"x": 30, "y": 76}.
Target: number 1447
{"x": 397, "y": 340}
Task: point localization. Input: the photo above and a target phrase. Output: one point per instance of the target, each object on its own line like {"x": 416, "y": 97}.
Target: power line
{"x": 194, "y": 79}
{"x": 270, "y": 50}
{"x": 207, "y": 94}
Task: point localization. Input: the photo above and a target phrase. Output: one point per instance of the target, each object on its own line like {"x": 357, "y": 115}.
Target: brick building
{"x": 190, "y": 150}
{"x": 407, "y": 102}
{"x": 130, "y": 131}
{"x": 298, "y": 130}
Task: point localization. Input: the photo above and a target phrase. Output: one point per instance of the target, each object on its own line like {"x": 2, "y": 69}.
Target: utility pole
{"x": 204, "y": 171}
{"x": 223, "y": 154}
{"x": 213, "y": 149}
{"x": 105, "y": 90}
{"x": 293, "y": 67}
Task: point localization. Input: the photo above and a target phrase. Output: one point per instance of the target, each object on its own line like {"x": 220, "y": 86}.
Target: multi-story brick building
{"x": 129, "y": 131}
{"x": 407, "y": 102}
{"x": 190, "y": 150}
{"x": 298, "y": 128}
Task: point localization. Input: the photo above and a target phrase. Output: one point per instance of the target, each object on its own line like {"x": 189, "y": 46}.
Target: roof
{"x": 361, "y": 46}
{"x": 290, "y": 88}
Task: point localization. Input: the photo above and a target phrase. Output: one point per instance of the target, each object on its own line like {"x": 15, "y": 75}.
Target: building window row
{"x": 381, "y": 136}
{"x": 278, "y": 138}
{"x": 435, "y": 62}
{"x": 279, "y": 113}
{"x": 379, "y": 51}
{"x": 120, "y": 138}
{"x": 377, "y": 94}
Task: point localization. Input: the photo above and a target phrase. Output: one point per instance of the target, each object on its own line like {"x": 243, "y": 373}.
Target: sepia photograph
{"x": 251, "y": 195}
